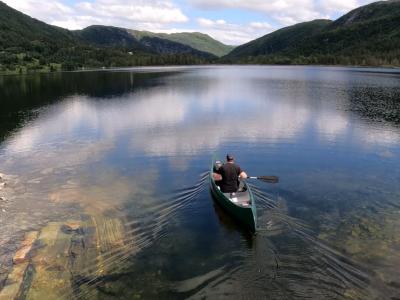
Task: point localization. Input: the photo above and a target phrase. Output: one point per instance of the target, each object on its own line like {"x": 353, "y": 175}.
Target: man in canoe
{"x": 230, "y": 172}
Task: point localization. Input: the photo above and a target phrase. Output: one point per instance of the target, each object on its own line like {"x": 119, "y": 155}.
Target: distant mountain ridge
{"x": 110, "y": 36}
{"x": 196, "y": 40}
{"x": 368, "y": 35}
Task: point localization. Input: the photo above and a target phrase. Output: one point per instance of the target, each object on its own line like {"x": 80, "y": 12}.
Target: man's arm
{"x": 217, "y": 177}
{"x": 242, "y": 174}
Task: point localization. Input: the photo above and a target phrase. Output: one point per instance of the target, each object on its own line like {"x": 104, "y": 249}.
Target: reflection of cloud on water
{"x": 64, "y": 155}
{"x": 78, "y": 116}
{"x": 193, "y": 138}
{"x": 24, "y": 140}
{"x": 331, "y": 125}
{"x": 195, "y": 112}
{"x": 377, "y": 136}
{"x": 143, "y": 110}
{"x": 53, "y": 123}
{"x": 105, "y": 192}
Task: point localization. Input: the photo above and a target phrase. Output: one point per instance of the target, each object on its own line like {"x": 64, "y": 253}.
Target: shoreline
{"x": 149, "y": 67}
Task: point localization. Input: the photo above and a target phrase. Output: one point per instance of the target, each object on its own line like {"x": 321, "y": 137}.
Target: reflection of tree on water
{"x": 21, "y": 95}
{"x": 376, "y": 103}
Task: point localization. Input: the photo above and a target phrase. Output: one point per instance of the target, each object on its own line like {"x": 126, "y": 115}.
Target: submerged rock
{"x": 15, "y": 283}
{"x": 69, "y": 259}
{"x": 13, "y": 288}
{"x": 51, "y": 279}
{"x": 72, "y": 227}
{"x": 26, "y": 246}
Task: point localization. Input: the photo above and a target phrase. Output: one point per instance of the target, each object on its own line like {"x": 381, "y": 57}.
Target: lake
{"x": 105, "y": 183}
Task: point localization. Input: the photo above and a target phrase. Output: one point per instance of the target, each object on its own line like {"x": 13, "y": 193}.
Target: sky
{"x": 232, "y": 22}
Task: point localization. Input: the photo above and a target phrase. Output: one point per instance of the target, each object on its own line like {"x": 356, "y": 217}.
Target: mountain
{"x": 109, "y": 36}
{"x": 196, "y": 40}
{"x": 368, "y": 35}
{"x": 164, "y": 46}
{"x": 185, "y": 42}
{"x": 29, "y": 45}
{"x": 20, "y": 30}
{"x": 281, "y": 40}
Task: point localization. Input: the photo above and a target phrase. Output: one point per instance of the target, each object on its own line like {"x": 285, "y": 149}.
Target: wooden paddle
{"x": 269, "y": 179}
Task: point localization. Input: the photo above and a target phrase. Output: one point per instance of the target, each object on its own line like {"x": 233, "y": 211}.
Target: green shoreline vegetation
{"x": 26, "y": 63}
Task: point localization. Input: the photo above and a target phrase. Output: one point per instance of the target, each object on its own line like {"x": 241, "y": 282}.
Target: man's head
{"x": 229, "y": 158}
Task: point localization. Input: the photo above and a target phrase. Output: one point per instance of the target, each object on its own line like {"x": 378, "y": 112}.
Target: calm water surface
{"x": 128, "y": 152}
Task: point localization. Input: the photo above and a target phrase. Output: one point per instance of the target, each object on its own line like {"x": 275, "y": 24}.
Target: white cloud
{"x": 261, "y": 25}
{"x": 138, "y": 14}
{"x": 205, "y": 22}
{"x": 286, "y": 12}
{"x": 341, "y": 6}
{"x": 332, "y": 6}
{"x": 48, "y": 11}
{"x": 135, "y": 11}
{"x": 231, "y": 33}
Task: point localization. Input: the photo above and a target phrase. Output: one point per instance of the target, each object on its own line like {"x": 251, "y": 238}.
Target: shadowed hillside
{"x": 115, "y": 37}
{"x": 369, "y": 35}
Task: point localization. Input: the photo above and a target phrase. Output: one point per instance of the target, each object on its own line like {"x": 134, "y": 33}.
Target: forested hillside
{"x": 282, "y": 40}
{"x": 29, "y": 45}
{"x": 369, "y": 35}
{"x": 121, "y": 38}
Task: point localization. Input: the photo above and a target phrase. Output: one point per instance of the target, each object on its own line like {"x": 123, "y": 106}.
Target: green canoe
{"x": 239, "y": 205}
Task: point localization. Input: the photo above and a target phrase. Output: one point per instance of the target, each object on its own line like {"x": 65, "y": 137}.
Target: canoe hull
{"x": 247, "y": 216}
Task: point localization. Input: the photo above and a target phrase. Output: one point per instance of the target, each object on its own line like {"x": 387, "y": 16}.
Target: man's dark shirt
{"x": 229, "y": 173}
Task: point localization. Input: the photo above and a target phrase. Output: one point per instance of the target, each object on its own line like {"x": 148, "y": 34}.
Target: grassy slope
{"x": 196, "y": 40}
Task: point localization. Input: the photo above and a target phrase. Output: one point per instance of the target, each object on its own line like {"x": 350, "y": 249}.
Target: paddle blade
{"x": 269, "y": 179}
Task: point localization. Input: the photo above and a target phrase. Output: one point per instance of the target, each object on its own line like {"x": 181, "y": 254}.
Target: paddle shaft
{"x": 270, "y": 179}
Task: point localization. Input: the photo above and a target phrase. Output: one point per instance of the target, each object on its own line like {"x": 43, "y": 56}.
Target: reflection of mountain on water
{"x": 21, "y": 94}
